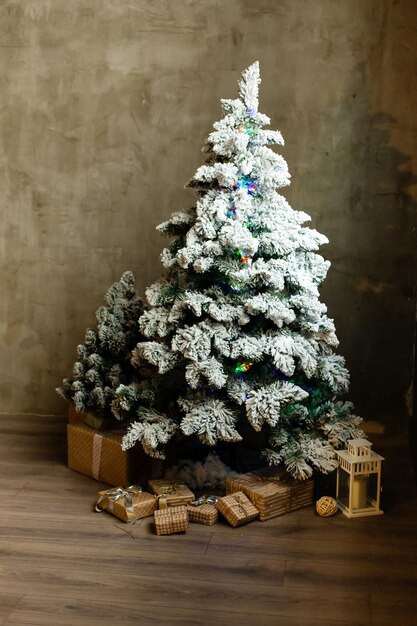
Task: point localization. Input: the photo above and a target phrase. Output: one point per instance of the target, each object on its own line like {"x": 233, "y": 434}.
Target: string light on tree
{"x": 232, "y": 211}
{"x": 235, "y": 287}
{"x": 247, "y": 183}
{"x": 244, "y": 257}
{"x": 244, "y": 367}
{"x": 250, "y": 130}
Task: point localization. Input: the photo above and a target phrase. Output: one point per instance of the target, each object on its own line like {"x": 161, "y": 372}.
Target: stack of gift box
{"x": 262, "y": 494}
{"x": 174, "y": 505}
{"x": 272, "y": 491}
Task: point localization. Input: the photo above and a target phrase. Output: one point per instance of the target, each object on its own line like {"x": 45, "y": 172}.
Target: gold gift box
{"x": 237, "y": 509}
{"x": 273, "y": 491}
{"x": 170, "y": 493}
{"x": 205, "y": 513}
{"x": 128, "y": 504}
{"x": 170, "y": 521}
{"x": 99, "y": 454}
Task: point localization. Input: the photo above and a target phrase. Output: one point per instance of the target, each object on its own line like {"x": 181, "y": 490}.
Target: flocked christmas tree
{"x": 103, "y": 362}
{"x": 238, "y": 310}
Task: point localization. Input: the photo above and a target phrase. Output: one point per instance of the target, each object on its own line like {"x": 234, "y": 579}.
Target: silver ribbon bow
{"x": 204, "y": 500}
{"x": 116, "y": 494}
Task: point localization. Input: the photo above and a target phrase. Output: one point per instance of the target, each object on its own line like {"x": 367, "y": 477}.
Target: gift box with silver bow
{"x": 129, "y": 504}
{"x": 170, "y": 493}
{"x": 203, "y": 510}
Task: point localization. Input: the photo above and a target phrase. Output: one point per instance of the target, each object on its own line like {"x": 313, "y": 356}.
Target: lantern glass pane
{"x": 372, "y": 489}
{"x": 343, "y": 496}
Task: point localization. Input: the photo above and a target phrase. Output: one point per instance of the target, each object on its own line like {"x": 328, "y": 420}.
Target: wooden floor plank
{"x": 139, "y": 560}
{"x": 184, "y": 593}
{"x": 395, "y": 608}
{"x": 115, "y": 532}
{"x": 330, "y": 548}
{"x": 365, "y": 576}
{"x": 33, "y": 611}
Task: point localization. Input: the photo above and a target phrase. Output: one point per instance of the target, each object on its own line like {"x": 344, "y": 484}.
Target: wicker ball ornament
{"x": 326, "y": 506}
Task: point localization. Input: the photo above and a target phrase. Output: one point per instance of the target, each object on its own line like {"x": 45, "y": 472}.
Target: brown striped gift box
{"x": 237, "y": 509}
{"x": 99, "y": 454}
{"x": 170, "y": 521}
{"x": 129, "y": 504}
{"x": 170, "y": 493}
{"x": 273, "y": 491}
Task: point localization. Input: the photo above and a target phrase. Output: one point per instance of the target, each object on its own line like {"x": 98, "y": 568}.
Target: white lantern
{"x": 358, "y": 486}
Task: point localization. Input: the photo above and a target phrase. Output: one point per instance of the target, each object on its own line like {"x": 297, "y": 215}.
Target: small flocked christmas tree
{"x": 238, "y": 311}
{"x": 103, "y": 362}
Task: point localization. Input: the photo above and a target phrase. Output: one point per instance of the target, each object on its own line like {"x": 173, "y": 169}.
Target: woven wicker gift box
{"x": 170, "y": 493}
{"x": 128, "y": 504}
{"x": 273, "y": 491}
{"x": 203, "y": 511}
{"x": 99, "y": 454}
{"x": 172, "y": 520}
{"x": 237, "y": 509}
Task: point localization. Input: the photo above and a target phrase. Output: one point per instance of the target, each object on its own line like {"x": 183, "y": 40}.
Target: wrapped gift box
{"x": 237, "y": 509}
{"x": 99, "y": 454}
{"x": 172, "y": 520}
{"x": 170, "y": 493}
{"x": 203, "y": 511}
{"x": 128, "y": 504}
{"x": 273, "y": 491}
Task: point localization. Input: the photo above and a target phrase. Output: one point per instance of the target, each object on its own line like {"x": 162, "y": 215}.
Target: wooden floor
{"x": 63, "y": 565}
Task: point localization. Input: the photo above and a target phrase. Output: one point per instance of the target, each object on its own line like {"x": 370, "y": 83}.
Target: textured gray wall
{"x": 104, "y": 108}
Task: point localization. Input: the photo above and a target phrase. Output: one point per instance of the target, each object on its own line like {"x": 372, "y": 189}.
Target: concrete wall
{"x": 105, "y": 105}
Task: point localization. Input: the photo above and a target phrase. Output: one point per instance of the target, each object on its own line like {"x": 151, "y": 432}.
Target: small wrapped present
{"x": 237, "y": 509}
{"x": 203, "y": 510}
{"x": 172, "y": 520}
{"x": 129, "y": 504}
{"x": 170, "y": 493}
{"x": 273, "y": 491}
{"x": 99, "y": 454}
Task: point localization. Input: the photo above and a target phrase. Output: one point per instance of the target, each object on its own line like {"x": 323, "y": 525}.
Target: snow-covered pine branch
{"x": 249, "y": 88}
{"x": 153, "y": 431}
{"x": 210, "y": 419}
{"x": 263, "y": 405}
